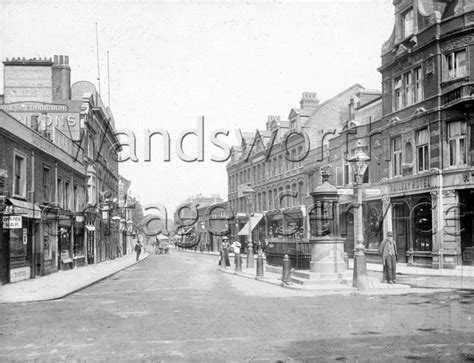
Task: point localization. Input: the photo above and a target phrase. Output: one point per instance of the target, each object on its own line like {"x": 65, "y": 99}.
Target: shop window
{"x": 397, "y": 93}
{"x": 423, "y": 227}
{"x": 422, "y": 158}
{"x": 418, "y": 79}
{"x": 455, "y": 65}
{"x": 408, "y": 22}
{"x": 397, "y": 156}
{"x": 457, "y": 134}
{"x": 19, "y": 173}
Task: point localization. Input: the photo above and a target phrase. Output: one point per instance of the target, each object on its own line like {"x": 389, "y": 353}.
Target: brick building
{"x": 426, "y": 125}
{"x": 280, "y": 159}
{"x": 47, "y": 237}
{"x": 63, "y": 139}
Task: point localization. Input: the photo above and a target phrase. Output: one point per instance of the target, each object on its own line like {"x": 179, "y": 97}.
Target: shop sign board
{"x": 345, "y": 191}
{"x": 12, "y": 222}
{"x": 21, "y": 273}
{"x": 372, "y": 191}
{"x": 25, "y": 236}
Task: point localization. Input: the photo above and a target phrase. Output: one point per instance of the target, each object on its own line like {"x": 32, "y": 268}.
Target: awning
{"x": 90, "y": 228}
{"x": 254, "y": 220}
{"x": 25, "y": 209}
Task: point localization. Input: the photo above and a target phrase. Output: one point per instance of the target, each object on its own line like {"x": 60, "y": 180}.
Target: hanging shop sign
{"x": 25, "y": 236}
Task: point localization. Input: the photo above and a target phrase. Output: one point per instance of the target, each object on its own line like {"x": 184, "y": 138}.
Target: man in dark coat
{"x": 138, "y": 249}
{"x": 388, "y": 251}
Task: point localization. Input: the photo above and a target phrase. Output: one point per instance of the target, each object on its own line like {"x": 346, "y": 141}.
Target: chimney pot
{"x": 61, "y": 60}
{"x": 56, "y": 59}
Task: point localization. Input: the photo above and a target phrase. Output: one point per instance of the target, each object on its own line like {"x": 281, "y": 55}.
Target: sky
{"x": 171, "y": 62}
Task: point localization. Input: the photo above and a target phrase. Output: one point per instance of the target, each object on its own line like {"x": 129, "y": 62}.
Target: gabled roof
{"x": 352, "y": 88}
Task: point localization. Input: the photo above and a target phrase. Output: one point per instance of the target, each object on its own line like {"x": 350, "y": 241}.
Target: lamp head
{"x": 359, "y": 161}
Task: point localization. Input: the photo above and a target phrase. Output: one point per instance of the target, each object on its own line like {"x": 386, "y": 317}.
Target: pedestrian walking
{"x": 138, "y": 249}
{"x": 388, "y": 251}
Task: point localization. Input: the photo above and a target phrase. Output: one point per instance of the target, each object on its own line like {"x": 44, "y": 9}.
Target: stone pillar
{"x": 450, "y": 229}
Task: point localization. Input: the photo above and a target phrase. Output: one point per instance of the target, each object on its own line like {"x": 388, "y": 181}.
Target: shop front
{"x": 415, "y": 208}
{"x": 20, "y": 230}
{"x": 251, "y": 228}
{"x": 79, "y": 257}
{"x": 65, "y": 242}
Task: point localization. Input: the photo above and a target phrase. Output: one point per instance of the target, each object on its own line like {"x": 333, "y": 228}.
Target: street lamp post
{"x": 359, "y": 163}
{"x": 249, "y": 193}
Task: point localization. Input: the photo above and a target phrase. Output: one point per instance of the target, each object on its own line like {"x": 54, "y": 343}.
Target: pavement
{"x": 411, "y": 280}
{"x": 64, "y": 283}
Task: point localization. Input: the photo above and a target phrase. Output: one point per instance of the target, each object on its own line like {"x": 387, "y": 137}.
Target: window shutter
{"x": 386, "y": 149}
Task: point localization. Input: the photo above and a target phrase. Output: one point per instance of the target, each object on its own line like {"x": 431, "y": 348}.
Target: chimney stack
{"x": 61, "y": 78}
{"x": 309, "y": 100}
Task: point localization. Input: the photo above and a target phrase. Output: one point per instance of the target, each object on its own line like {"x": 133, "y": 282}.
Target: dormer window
{"x": 408, "y": 23}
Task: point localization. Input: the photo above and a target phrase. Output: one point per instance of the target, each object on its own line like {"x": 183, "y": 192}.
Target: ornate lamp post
{"x": 249, "y": 193}
{"x": 359, "y": 163}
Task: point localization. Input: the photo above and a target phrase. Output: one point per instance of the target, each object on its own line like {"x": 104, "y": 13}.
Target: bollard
{"x": 222, "y": 260}
{"x": 286, "y": 270}
{"x": 238, "y": 263}
{"x": 260, "y": 272}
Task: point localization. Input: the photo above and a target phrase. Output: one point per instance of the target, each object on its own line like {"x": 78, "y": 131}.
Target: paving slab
{"x": 63, "y": 283}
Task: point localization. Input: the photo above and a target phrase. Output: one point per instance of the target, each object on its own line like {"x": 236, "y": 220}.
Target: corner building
{"x": 426, "y": 127}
